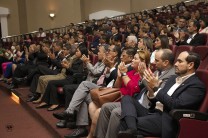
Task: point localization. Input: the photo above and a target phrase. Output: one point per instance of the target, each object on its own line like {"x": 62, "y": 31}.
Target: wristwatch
{"x": 123, "y": 74}
{"x": 155, "y": 89}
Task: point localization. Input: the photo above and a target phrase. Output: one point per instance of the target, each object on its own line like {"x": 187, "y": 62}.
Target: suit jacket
{"x": 164, "y": 77}
{"x": 188, "y": 95}
{"x": 197, "y": 40}
{"x": 112, "y": 76}
{"x": 94, "y": 71}
{"x": 77, "y": 67}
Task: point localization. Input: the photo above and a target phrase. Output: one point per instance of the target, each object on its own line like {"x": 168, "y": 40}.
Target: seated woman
{"x": 18, "y": 58}
{"x": 126, "y": 81}
{"x": 50, "y": 96}
{"x": 161, "y": 42}
{"x": 145, "y": 43}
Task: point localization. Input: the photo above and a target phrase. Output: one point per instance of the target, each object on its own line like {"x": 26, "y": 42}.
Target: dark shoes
{"x": 34, "y": 97}
{"x": 64, "y": 116}
{"x": 79, "y": 132}
{"x": 129, "y": 133}
{"x": 12, "y": 86}
{"x": 66, "y": 124}
{"x": 19, "y": 80}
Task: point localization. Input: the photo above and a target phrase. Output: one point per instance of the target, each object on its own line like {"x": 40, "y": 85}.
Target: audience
{"x": 109, "y": 118}
{"x": 182, "y": 91}
{"x": 195, "y": 39}
{"x": 81, "y": 97}
{"x": 48, "y": 63}
{"x": 126, "y": 80}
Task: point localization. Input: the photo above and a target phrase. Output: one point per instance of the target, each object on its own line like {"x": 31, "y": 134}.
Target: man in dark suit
{"x": 195, "y": 39}
{"x": 184, "y": 91}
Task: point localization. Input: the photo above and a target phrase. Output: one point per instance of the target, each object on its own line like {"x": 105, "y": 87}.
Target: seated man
{"x": 182, "y": 91}
{"x": 195, "y": 39}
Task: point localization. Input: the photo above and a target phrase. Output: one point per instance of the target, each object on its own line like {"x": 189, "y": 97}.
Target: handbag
{"x": 103, "y": 95}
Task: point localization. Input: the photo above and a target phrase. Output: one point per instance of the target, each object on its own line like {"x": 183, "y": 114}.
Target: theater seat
{"x": 182, "y": 48}
{"x": 60, "y": 90}
{"x": 93, "y": 59}
{"x": 194, "y": 124}
{"x": 206, "y": 38}
{"x": 80, "y": 77}
{"x": 203, "y": 53}
{"x": 173, "y": 49}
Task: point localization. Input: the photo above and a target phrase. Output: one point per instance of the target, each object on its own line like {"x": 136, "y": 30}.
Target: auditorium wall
{"x": 66, "y": 11}
{"x": 13, "y": 18}
{"x": 29, "y": 15}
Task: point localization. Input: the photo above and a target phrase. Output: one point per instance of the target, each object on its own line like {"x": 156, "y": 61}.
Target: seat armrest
{"x": 190, "y": 114}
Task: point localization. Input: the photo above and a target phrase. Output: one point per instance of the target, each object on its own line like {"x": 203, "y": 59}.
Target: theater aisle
{"x": 16, "y": 122}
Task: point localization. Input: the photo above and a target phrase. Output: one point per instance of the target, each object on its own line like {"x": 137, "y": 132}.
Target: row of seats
{"x": 201, "y": 50}
{"x": 193, "y": 124}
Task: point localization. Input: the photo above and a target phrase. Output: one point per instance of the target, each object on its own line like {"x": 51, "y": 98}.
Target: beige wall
{"x": 29, "y": 15}
{"x": 23, "y": 16}
{"x": 91, "y": 6}
{"x": 13, "y": 18}
{"x": 38, "y": 13}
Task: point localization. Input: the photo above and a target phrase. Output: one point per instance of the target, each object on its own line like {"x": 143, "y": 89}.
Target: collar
{"x": 59, "y": 52}
{"x": 182, "y": 79}
{"x": 192, "y": 36}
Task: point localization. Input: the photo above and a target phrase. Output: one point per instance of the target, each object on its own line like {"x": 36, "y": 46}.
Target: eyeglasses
{"x": 109, "y": 50}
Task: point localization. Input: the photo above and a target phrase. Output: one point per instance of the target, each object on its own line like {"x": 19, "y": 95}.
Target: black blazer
{"x": 76, "y": 68}
{"x": 197, "y": 40}
{"x": 188, "y": 95}
{"x": 113, "y": 76}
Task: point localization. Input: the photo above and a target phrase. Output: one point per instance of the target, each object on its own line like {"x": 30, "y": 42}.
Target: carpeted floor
{"x": 16, "y": 122}
{"x": 23, "y": 120}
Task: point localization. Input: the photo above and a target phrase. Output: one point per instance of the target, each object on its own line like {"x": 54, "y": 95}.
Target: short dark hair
{"x": 168, "y": 55}
{"x": 130, "y": 51}
{"x": 196, "y": 24}
{"x": 193, "y": 57}
{"x": 118, "y": 50}
{"x": 59, "y": 43}
{"x": 83, "y": 50}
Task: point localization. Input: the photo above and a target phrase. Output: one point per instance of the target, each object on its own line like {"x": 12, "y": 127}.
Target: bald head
{"x": 164, "y": 59}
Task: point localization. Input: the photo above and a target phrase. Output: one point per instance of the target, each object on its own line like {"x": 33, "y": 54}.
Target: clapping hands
{"x": 151, "y": 78}
{"x": 65, "y": 64}
{"x": 85, "y": 59}
{"x": 121, "y": 69}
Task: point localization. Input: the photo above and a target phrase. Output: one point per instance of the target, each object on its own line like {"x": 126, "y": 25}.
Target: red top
{"x": 132, "y": 86}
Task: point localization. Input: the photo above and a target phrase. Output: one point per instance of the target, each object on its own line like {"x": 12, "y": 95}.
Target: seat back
{"x": 173, "y": 49}
{"x": 196, "y": 127}
{"x": 93, "y": 59}
{"x": 203, "y": 53}
{"x": 206, "y": 38}
{"x": 182, "y": 48}
{"x": 203, "y": 76}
